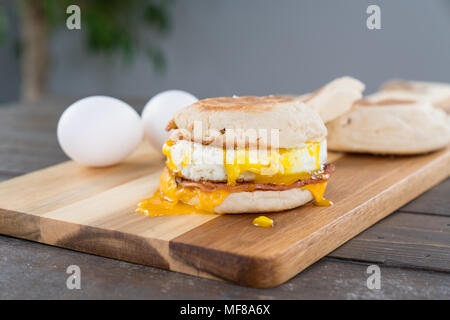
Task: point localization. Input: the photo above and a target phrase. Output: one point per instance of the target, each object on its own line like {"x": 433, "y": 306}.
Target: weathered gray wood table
{"x": 411, "y": 247}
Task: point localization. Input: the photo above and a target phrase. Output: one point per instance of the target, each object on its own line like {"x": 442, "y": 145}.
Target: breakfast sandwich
{"x": 242, "y": 154}
{"x": 391, "y": 122}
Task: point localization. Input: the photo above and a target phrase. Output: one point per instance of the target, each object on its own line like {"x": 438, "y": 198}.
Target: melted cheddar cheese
{"x": 171, "y": 199}
{"x": 317, "y": 190}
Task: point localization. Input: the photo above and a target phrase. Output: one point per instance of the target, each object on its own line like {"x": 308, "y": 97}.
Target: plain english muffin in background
{"x": 435, "y": 92}
{"x": 335, "y": 98}
{"x": 390, "y": 126}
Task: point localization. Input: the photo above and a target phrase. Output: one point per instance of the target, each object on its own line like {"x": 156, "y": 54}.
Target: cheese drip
{"x": 317, "y": 190}
{"x": 171, "y": 199}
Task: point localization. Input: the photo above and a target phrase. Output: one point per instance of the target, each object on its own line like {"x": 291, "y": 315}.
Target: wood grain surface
{"x": 404, "y": 239}
{"x": 31, "y": 270}
{"x": 92, "y": 210}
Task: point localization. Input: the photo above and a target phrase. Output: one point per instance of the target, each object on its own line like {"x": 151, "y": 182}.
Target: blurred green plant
{"x": 109, "y": 27}
{"x": 2, "y": 25}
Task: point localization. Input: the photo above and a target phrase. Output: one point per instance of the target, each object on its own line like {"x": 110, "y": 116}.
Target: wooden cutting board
{"x": 92, "y": 210}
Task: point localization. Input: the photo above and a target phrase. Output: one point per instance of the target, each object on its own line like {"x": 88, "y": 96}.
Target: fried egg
{"x": 197, "y": 162}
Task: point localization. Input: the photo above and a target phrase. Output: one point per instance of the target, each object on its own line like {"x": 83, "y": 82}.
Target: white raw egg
{"x": 99, "y": 131}
{"x": 159, "y": 110}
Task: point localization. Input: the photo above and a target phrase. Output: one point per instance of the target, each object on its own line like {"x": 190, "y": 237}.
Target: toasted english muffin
{"x": 215, "y": 118}
{"x": 264, "y": 201}
{"x": 335, "y": 98}
{"x": 435, "y": 92}
{"x": 390, "y": 126}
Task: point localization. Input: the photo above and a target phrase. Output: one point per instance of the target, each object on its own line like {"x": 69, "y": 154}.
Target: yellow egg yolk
{"x": 167, "y": 152}
{"x": 276, "y": 167}
{"x": 263, "y": 222}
